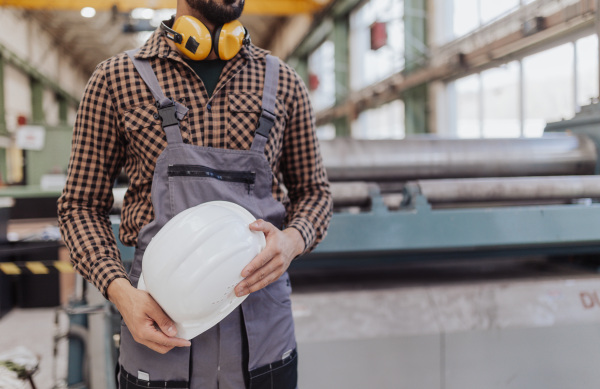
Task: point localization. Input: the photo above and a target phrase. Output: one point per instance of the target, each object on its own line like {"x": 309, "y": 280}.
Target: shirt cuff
{"x": 307, "y": 230}
{"x": 106, "y": 271}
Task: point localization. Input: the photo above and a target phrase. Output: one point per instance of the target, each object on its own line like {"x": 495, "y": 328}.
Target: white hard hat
{"x": 193, "y": 263}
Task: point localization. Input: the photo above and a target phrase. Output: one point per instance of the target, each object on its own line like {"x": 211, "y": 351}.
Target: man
{"x": 155, "y": 110}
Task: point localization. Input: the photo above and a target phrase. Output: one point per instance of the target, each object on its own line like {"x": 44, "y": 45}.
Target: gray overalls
{"x": 254, "y": 346}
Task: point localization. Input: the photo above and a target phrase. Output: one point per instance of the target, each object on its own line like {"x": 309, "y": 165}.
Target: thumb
{"x": 164, "y": 322}
{"x": 261, "y": 225}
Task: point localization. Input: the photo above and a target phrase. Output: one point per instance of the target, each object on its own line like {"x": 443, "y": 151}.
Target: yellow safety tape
{"x": 9, "y": 268}
{"x": 64, "y": 267}
{"x": 37, "y": 268}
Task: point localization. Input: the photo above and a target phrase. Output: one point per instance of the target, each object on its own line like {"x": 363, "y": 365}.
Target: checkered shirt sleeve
{"x": 84, "y": 206}
{"x": 303, "y": 172}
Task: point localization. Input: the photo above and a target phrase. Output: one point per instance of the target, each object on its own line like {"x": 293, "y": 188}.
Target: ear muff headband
{"x": 194, "y": 40}
{"x": 170, "y": 33}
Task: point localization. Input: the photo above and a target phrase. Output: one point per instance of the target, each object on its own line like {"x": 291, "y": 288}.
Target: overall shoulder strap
{"x": 267, "y": 116}
{"x": 169, "y": 111}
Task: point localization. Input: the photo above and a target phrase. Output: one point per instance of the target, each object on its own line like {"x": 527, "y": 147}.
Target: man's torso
{"x": 227, "y": 119}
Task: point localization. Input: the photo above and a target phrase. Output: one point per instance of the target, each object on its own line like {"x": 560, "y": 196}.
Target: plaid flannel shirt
{"x": 117, "y": 127}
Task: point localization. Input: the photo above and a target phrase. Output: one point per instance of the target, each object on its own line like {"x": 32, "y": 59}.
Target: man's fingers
{"x": 159, "y": 348}
{"x": 269, "y": 264}
{"x": 164, "y": 334}
{"x": 260, "y": 278}
{"x": 264, "y": 226}
{"x": 154, "y": 335}
{"x": 153, "y": 338}
{"x": 259, "y": 261}
{"x": 163, "y": 321}
{"x": 162, "y": 339}
{"x": 148, "y": 323}
{"x": 259, "y": 283}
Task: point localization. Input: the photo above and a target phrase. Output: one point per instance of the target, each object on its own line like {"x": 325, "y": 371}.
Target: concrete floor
{"x": 524, "y": 334}
{"x": 517, "y": 331}
{"x": 35, "y": 330}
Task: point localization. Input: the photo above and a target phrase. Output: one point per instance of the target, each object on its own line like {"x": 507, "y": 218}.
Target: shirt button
{"x": 209, "y": 107}
{"x": 156, "y": 116}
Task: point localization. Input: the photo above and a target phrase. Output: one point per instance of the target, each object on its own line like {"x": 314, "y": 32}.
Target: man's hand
{"x": 146, "y": 320}
{"x": 282, "y": 247}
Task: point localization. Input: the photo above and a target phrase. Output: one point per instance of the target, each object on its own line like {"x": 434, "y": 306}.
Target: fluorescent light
{"x": 142, "y": 13}
{"x": 88, "y": 12}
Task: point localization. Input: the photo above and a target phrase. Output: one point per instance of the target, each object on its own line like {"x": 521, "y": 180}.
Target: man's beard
{"x": 218, "y": 13}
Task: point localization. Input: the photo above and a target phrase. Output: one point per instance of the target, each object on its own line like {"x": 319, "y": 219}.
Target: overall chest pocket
{"x": 244, "y": 112}
{"x": 190, "y": 185}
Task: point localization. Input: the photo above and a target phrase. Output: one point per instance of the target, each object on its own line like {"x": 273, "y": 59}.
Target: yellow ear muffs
{"x": 194, "y": 40}
{"x": 191, "y": 37}
{"x": 229, "y": 39}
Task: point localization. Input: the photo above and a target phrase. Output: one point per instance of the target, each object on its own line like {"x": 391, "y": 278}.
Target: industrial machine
{"x": 427, "y": 200}
{"x": 429, "y": 197}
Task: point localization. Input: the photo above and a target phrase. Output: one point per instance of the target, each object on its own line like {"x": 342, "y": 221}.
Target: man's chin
{"x": 227, "y": 11}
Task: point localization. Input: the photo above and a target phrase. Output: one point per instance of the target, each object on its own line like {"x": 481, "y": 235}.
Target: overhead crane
{"x": 255, "y": 7}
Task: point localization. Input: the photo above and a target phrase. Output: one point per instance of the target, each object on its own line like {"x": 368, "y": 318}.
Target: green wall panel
{"x": 54, "y": 157}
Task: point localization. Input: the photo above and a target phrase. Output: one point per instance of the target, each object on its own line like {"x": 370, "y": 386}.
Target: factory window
{"x": 468, "y": 15}
{"x": 587, "y": 69}
{"x": 466, "y": 94}
{"x": 494, "y": 9}
{"x": 548, "y": 88}
{"x": 500, "y": 111}
{"x": 465, "y": 17}
{"x": 521, "y": 97}
{"x": 376, "y": 41}
{"x": 487, "y": 104}
{"x": 321, "y": 81}
{"x": 385, "y": 122}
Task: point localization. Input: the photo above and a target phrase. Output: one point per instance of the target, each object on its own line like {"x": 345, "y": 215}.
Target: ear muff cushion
{"x": 229, "y": 39}
{"x": 197, "y": 41}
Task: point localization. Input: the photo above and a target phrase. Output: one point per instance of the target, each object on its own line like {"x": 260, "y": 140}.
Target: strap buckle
{"x": 266, "y": 121}
{"x": 168, "y": 114}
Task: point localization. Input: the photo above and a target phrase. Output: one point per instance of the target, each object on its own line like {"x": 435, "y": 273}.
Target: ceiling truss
{"x": 252, "y": 7}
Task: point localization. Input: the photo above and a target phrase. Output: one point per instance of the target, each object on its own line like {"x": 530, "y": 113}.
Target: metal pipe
{"x": 352, "y": 193}
{"x": 510, "y": 189}
{"x": 349, "y": 159}
{"x": 360, "y": 194}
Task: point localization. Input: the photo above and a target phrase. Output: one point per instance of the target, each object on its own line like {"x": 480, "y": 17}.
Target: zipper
{"x": 244, "y": 177}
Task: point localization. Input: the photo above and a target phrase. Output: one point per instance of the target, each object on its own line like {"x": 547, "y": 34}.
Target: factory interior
{"x": 461, "y": 139}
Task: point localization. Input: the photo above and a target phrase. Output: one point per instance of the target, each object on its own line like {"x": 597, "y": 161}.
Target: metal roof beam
{"x": 23, "y": 65}
{"x": 252, "y": 7}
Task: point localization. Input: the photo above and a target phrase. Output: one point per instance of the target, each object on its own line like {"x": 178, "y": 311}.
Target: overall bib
{"x": 254, "y": 346}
